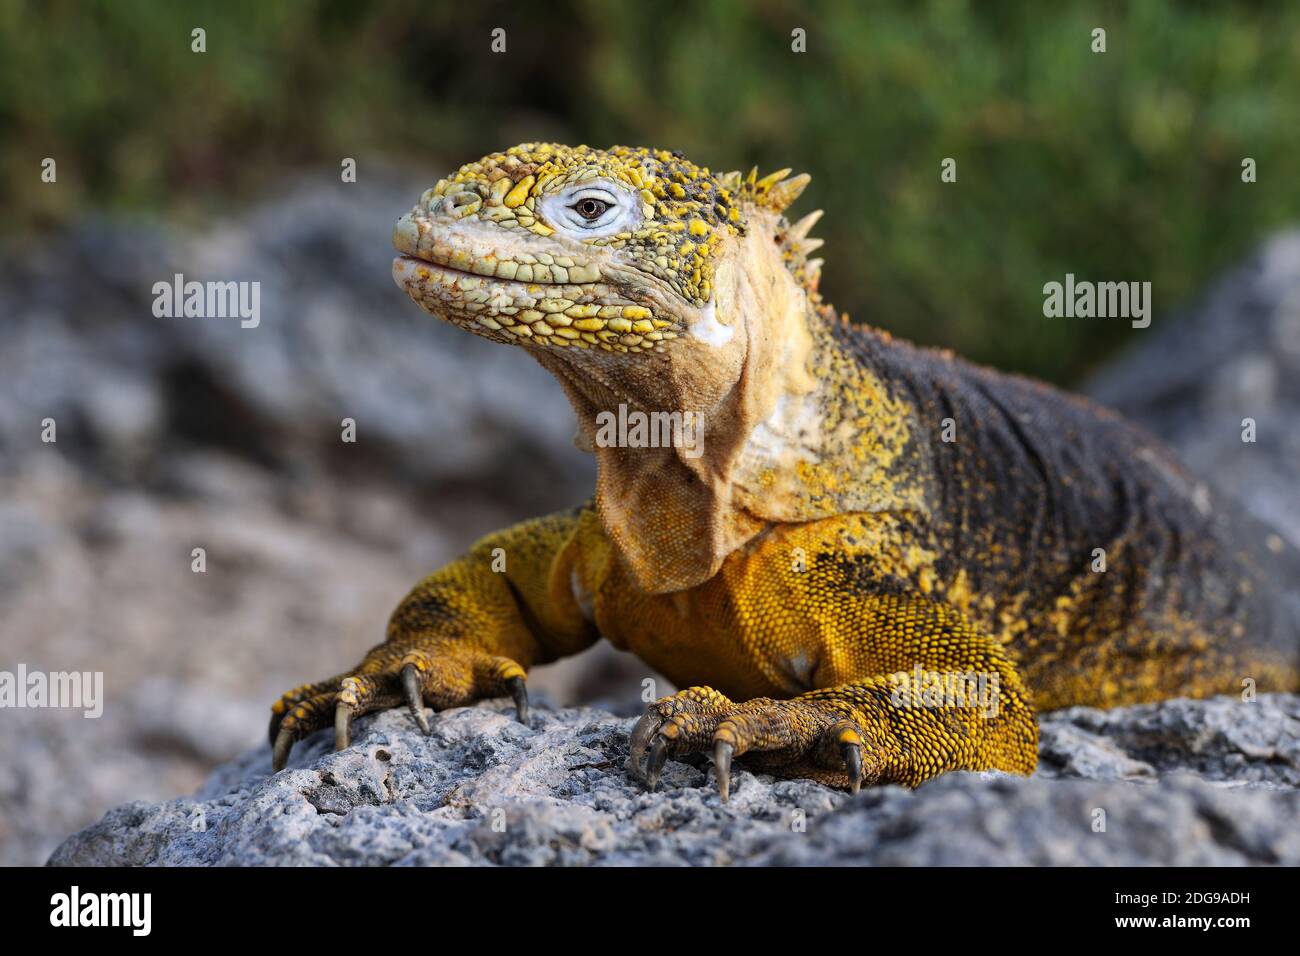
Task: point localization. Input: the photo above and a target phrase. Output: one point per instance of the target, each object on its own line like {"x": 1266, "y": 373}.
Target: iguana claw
{"x": 342, "y": 725}
{"x": 853, "y": 765}
{"x": 519, "y": 691}
{"x": 722, "y": 766}
{"x": 415, "y": 696}
{"x": 642, "y": 734}
{"x": 280, "y": 751}
{"x": 655, "y": 762}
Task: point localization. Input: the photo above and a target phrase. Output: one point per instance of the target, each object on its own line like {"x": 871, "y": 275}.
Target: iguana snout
{"x": 511, "y": 288}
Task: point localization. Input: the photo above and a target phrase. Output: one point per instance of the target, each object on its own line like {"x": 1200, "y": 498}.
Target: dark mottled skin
{"x": 1038, "y": 478}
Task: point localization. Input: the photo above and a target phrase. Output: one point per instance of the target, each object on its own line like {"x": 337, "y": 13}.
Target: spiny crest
{"x": 777, "y": 192}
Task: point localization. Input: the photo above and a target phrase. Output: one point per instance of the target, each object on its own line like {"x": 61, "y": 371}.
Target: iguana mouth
{"x": 539, "y": 269}
{"x": 581, "y": 316}
{"x": 445, "y": 266}
{"x": 418, "y": 236}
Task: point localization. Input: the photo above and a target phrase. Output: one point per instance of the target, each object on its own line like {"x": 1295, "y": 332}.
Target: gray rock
{"x": 1180, "y": 782}
{"x": 1234, "y": 355}
{"x": 336, "y": 339}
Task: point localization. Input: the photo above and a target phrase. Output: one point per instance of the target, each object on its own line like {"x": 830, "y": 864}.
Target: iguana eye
{"x": 590, "y": 208}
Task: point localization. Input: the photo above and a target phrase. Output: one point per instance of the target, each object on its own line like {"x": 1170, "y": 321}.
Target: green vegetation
{"x": 1122, "y": 165}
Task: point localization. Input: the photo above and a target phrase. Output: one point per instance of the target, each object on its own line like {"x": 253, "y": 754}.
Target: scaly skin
{"x": 859, "y": 512}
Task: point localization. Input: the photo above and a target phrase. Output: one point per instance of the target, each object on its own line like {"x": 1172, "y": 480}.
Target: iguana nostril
{"x": 462, "y": 203}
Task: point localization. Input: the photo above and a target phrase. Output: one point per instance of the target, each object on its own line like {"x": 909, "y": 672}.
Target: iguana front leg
{"x": 467, "y": 632}
{"x": 944, "y": 697}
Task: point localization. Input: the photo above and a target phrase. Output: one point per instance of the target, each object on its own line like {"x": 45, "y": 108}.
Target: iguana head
{"x": 551, "y": 246}
{"x": 639, "y": 279}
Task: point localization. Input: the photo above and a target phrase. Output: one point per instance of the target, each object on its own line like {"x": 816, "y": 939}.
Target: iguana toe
{"x": 788, "y": 738}
{"x": 438, "y": 674}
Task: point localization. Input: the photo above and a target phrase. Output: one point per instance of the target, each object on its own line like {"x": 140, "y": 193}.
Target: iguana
{"x": 878, "y": 561}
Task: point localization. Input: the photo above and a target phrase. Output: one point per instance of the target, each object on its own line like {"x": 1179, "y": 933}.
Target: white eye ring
{"x": 621, "y": 213}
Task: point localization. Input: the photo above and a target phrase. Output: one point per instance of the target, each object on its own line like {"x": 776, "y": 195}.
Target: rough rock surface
{"x": 1181, "y": 782}
{"x": 1234, "y": 355}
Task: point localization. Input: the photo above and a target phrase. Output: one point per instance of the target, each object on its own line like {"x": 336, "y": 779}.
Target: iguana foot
{"x": 449, "y": 674}
{"x": 788, "y": 738}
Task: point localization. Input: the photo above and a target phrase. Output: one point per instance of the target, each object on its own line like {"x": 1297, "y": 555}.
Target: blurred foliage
{"x": 1123, "y": 165}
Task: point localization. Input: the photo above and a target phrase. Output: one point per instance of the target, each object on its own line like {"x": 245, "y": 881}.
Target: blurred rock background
{"x": 183, "y": 433}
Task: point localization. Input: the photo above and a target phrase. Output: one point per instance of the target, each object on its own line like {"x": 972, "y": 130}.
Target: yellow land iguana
{"x": 867, "y": 531}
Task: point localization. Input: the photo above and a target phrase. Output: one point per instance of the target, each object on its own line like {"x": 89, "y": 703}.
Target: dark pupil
{"x": 591, "y": 208}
